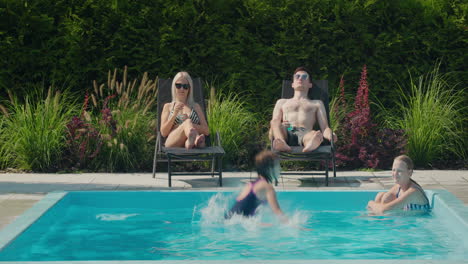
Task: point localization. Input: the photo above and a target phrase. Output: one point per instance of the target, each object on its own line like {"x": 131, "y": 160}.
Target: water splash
{"x": 212, "y": 215}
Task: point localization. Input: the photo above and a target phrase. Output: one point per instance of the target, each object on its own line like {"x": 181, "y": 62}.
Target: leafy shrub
{"x": 33, "y": 133}
{"x": 251, "y": 44}
{"x": 84, "y": 141}
{"x": 361, "y": 143}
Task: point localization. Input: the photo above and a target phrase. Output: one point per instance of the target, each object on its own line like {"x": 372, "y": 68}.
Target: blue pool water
{"x": 181, "y": 225}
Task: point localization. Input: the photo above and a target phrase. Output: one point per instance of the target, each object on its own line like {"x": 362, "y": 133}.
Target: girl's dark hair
{"x": 265, "y": 162}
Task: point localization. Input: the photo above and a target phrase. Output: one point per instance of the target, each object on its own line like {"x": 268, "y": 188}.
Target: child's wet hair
{"x": 265, "y": 163}
{"x": 407, "y": 160}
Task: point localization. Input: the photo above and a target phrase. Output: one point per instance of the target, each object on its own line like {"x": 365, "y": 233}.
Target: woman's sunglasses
{"x": 182, "y": 85}
{"x": 301, "y": 76}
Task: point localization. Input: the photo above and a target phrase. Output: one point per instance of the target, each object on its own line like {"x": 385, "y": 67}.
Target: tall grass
{"x": 236, "y": 125}
{"x": 431, "y": 115}
{"x": 33, "y": 132}
{"x": 129, "y": 147}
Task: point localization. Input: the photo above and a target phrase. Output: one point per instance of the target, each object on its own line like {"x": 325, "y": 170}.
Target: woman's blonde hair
{"x": 407, "y": 160}
{"x": 187, "y": 77}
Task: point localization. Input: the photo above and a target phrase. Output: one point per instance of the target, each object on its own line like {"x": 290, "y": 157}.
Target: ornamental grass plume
{"x": 123, "y": 115}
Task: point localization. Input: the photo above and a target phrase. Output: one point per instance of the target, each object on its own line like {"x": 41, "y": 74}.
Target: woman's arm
{"x": 203, "y": 127}
{"x": 166, "y": 122}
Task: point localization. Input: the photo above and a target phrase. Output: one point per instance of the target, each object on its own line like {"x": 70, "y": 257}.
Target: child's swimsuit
{"x": 420, "y": 207}
{"x": 179, "y": 118}
{"x": 248, "y": 205}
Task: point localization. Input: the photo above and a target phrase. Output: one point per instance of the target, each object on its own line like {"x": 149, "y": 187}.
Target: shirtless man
{"x": 294, "y": 119}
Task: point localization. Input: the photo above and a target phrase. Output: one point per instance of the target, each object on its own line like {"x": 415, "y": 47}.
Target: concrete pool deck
{"x": 20, "y": 191}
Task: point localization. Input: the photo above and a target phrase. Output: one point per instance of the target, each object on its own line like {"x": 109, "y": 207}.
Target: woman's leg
{"x": 200, "y": 141}
{"x": 176, "y": 138}
{"x": 190, "y": 132}
{"x": 184, "y": 135}
{"x": 192, "y": 135}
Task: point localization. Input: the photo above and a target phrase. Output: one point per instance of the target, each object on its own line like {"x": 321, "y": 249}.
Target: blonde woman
{"x": 183, "y": 123}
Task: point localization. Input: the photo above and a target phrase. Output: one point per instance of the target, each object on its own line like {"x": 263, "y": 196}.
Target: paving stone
{"x": 92, "y": 186}
{"x": 5, "y": 196}
{"x": 27, "y": 196}
{"x": 431, "y": 186}
{"x": 370, "y": 186}
{"x": 11, "y": 209}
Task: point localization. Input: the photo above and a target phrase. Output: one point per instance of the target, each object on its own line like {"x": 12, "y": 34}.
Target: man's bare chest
{"x": 299, "y": 106}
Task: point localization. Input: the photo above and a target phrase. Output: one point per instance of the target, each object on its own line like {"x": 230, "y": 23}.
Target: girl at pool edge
{"x": 405, "y": 195}
{"x": 261, "y": 190}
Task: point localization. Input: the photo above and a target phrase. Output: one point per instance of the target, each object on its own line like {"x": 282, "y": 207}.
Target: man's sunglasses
{"x": 182, "y": 85}
{"x": 301, "y": 76}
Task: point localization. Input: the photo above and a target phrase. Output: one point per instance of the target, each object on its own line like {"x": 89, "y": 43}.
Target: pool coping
{"x": 14, "y": 229}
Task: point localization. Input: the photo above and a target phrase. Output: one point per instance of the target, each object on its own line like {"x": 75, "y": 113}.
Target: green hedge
{"x": 250, "y": 44}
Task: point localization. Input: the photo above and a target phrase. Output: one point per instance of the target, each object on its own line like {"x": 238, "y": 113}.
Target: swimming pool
{"x": 189, "y": 225}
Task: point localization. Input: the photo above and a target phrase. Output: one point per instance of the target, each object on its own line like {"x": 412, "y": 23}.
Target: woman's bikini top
{"x": 411, "y": 206}
{"x": 179, "y": 118}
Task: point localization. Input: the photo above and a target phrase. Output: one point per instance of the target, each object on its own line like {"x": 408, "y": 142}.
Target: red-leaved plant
{"x": 84, "y": 141}
{"x": 361, "y": 142}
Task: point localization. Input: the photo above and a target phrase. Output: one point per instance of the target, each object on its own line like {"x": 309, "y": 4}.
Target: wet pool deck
{"x": 18, "y": 192}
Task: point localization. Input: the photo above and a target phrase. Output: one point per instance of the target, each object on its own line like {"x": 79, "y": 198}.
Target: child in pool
{"x": 261, "y": 190}
{"x": 405, "y": 195}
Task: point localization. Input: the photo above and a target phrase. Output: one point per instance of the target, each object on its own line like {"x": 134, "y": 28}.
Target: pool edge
{"x": 450, "y": 201}
{"x": 22, "y": 222}
{"x": 452, "y": 204}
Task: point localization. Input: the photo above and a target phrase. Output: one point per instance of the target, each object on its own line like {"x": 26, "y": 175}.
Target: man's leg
{"x": 312, "y": 140}
{"x": 279, "y": 136}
